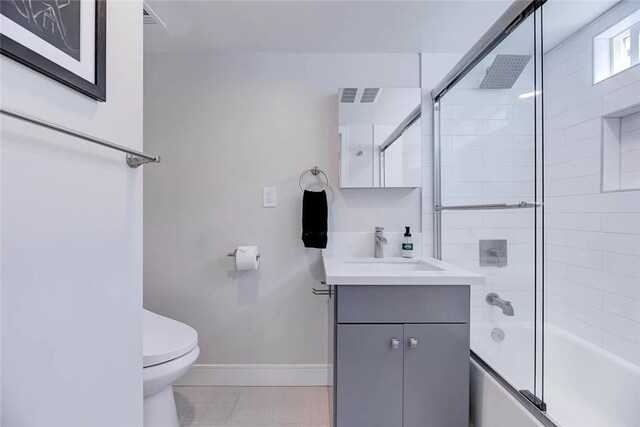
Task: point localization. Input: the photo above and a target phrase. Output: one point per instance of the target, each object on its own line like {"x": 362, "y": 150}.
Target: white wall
{"x": 72, "y": 244}
{"x": 593, "y": 237}
{"x": 226, "y": 126}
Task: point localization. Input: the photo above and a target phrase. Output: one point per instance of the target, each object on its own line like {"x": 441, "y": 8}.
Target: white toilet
{"x": 169, "y": 350}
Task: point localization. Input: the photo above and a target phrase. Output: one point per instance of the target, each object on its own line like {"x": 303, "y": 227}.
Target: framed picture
{"x": 63, "y": 39}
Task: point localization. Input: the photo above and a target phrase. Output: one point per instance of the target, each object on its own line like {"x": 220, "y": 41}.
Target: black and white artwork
{"x": 56, "y": 21}
{"x": 63, "y": 39}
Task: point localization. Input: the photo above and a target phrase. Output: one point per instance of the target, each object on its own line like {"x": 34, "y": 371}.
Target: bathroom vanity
{"x": 401, "y": 342}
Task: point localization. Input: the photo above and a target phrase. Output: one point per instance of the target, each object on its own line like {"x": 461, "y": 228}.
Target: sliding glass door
{"x": 488, "y": 200}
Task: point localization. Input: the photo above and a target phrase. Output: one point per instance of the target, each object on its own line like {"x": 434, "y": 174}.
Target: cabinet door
{"x": 436, "y": 375}
{"x": 369, "y": 376}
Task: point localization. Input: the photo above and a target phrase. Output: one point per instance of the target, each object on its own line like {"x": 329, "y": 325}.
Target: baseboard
{"x": 256, "y": 375}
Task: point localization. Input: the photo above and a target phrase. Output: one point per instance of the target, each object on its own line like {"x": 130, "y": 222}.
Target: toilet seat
{"x": 165, "y": 339}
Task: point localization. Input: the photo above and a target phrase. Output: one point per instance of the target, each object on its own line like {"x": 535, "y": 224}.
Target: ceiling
{"x": 320, "y": 26}
{"x": 446, "y": 26}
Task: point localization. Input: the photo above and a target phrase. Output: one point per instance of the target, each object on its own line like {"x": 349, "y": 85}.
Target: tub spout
{"x": 494, "y": 299}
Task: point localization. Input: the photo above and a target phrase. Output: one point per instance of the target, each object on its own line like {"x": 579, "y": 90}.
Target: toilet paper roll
{"x": 247, "y": 258}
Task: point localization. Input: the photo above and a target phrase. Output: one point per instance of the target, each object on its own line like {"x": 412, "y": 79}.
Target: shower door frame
{"x": 517, "y": 13}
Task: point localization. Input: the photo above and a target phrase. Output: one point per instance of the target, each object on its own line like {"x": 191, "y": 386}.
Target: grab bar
{"x": 519, "y": 205}
{"x": 134, "y": 158}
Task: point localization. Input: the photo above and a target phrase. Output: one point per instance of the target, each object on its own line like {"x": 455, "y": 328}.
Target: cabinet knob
{"x": 413, "y": 343}
{"x": 395, "y": 343}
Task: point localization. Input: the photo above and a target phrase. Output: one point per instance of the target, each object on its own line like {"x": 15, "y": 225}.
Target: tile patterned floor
{"x": 252, "y": 406}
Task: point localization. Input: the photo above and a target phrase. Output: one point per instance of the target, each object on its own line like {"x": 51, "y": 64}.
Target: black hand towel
{"x": 314, "y": 219}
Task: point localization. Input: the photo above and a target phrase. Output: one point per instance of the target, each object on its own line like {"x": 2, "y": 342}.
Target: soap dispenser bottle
{"x": 407, "y": 244}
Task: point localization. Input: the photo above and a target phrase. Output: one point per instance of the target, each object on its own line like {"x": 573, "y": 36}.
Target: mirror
{"x": 380, "y": 137}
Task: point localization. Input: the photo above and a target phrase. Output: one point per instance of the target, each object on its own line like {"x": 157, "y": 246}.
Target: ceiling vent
{"x": 149, "y": 16}
{"x": 348, "y": 95}
{"x": 352, "y": 95}
{"x": 369, "y": 95}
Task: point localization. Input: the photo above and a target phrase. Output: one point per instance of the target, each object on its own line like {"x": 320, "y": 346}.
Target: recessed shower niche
{"x": 621, "y": 150}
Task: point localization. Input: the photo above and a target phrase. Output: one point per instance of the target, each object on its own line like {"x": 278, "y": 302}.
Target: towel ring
{"x": 315, "y": 171}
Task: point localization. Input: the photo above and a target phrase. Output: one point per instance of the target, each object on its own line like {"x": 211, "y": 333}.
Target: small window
{"x": 617, "y": 48}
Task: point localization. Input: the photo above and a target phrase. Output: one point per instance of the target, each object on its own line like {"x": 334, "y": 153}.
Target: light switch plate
{"x": 269, "y": 197}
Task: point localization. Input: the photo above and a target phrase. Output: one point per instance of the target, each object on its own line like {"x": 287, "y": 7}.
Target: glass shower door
{"x": 488, "y": 210}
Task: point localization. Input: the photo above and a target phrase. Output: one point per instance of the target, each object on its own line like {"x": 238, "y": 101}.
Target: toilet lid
{"x": 165, "y": 339}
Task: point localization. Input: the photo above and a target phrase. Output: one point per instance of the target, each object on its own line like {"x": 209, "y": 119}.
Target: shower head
{"x": 504, "y": 71}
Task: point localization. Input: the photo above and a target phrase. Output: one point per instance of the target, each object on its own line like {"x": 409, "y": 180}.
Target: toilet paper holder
{"x": 235, "y": 252}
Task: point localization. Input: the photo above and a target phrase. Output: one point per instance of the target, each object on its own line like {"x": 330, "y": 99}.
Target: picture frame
{"x": 62, "y": 39}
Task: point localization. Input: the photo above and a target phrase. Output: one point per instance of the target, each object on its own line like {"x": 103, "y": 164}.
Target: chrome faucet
{"x": 494, "y": 299}
{"x": 380, "y": 240}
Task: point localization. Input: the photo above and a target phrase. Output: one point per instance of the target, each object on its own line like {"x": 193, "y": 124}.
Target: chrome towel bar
{"x": 519, "y": 205}
{"x": 134, "y": 158}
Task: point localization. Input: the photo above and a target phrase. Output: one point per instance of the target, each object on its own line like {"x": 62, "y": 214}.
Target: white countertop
{"x": 340, "y": 270}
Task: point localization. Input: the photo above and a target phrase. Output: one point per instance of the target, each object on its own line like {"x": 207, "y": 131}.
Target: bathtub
{"x": 585, "y": 386}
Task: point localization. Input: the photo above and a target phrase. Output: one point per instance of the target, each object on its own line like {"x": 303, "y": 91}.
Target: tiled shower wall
{"x": 593, "y": 237}
{"x": 488, "y": 157}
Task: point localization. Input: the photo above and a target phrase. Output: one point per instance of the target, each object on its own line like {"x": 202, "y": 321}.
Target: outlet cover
{"x": 269, "y": 197}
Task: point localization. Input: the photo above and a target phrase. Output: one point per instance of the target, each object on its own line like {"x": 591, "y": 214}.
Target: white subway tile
{"x": 630, "y": 141}
{"x": 583, "y": 167}
{"x": 622, "y": 264}
{"x": 621, "y": 99}
{"x": 461, "y": 127}
{"x": 482, "y": 173}
{"x": 508, "y": 158}
{"x": 453, "y": 219}
{"x": 626, "y": 244}
{"x": 630, "y": 180}
{"x": 573, "y": 151}
{"x": 622, "y": 306}
{"x": 571, "y": 186}
{"x": 610, "y": 282}
{"x": 586, "y": 130}
{"x": 554, "y": 172}
{"x": 630, "y": 161}
{"x": 621, "y": 222}
{"x": 630, "y": 123}
{"x": 475, "y": 112}
{"x": 555, "y": 269}
{"x": 508, "y": 127}
{"x": 462, "y": 189}
{"x": 574, "y": 292}
{"x": 626, "y": 349}
{"x": 575, "y": 256}
{"x": 507, "y": 219}
{"x": 621, "y": 326}
{"x": 554, "y": 139}
{"x": 580, "y": 60}
{"x": 574, "y": 221}
{"x": 575, "y": 326}
{"x": 519, "y": 190}
{"x": 462, "y": 158}
{"x": 555, "y": 237}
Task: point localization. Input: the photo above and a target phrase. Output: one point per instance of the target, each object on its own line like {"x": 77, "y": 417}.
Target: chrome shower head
{"x": 504, "y": 71}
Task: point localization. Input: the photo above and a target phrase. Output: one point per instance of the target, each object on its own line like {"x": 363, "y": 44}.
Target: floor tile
{"x": 252, "y": 406}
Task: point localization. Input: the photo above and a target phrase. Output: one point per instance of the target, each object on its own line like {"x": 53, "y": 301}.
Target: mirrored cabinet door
{"x": 380, "y": 137}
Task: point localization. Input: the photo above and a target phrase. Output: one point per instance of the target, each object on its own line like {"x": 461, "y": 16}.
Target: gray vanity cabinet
{"x": 436, "y": 376}
{"x": 369, "y": 375}
{"x": 401, "y": 360}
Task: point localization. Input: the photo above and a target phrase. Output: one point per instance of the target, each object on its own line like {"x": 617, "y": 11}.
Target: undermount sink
{"x": 395, "y": 271}
{"x": 395, "y": 265}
